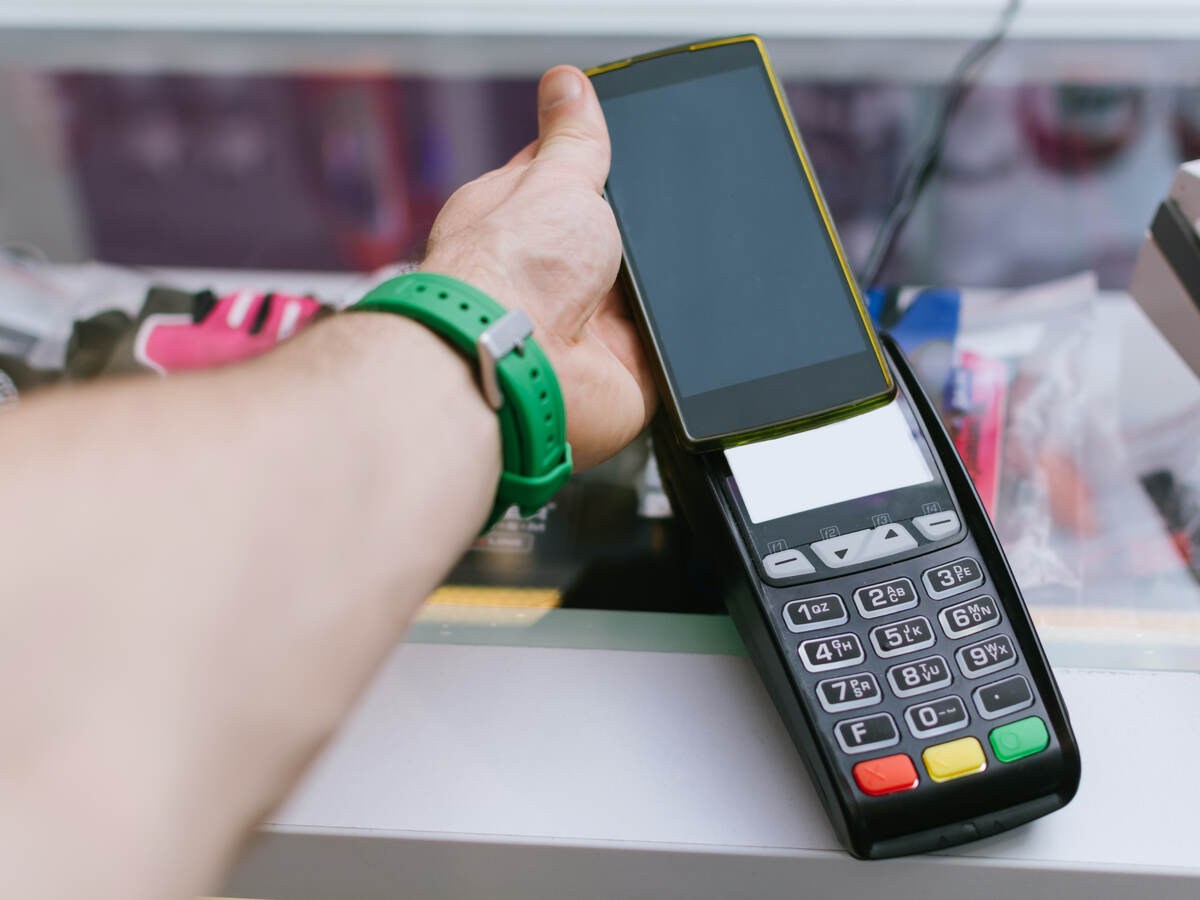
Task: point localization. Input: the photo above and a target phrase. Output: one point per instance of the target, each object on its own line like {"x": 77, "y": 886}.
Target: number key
{"x": 848, "y": 692}
{"x": 952, "y": 578}
{"x": 919, "y": 676}
{"x": 970, "y": 616}
{"x": 886, "y": 597}
{"x": 905, "y": 636}
{"x": 984, "y": 657}
{"x": 814, "y": 613}
{"x": 934, "y": 717}
{"x": 836, "y": 652}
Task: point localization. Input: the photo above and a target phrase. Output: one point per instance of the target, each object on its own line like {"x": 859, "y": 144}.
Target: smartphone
{"x": 732, "y": 263}
{"x": 854, "y": 555}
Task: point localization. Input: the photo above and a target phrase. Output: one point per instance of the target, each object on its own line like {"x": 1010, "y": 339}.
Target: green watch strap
{"x": 533, "y": 421}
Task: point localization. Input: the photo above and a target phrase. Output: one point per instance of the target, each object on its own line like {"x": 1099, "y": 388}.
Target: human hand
{"x": 536, "y": 234}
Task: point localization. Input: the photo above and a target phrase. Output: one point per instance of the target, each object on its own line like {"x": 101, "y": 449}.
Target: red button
{"x": 886, "y": 775}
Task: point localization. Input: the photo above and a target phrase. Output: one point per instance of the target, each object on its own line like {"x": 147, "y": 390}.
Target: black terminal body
{"x": 927, "y": 644}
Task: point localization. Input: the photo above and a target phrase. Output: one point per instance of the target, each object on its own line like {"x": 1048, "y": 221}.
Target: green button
{"x": 1015, "y": 740}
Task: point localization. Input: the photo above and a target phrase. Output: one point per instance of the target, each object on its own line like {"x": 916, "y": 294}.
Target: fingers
{"x": 571, "y": 130}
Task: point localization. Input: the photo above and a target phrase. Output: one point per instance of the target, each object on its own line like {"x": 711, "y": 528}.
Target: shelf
{"x": 1071, "y": 19}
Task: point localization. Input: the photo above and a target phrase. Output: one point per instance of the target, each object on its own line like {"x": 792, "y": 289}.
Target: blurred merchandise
{"x": 331, "y": 173}
{"x": 357, "y": 165}
{"x": 1018, "y": 213}
{"x": 971, "y": 388}
{"x": 975, "y": 411}
{"x": 1167, "y": 454}
{"x": 1060, "y": 421}
{"x": 32, "y": 306}
{"x": 1074, "y": 128}
{"x": 347, "y": 172}
{"x": 1177, "y": 499}
{"x": 183, "y": 170}
{"x": 171, "y": 331}
{"x": 924, "y": 322}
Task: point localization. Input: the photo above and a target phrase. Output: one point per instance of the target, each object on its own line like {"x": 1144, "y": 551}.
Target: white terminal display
{"x": 867, "y": 454}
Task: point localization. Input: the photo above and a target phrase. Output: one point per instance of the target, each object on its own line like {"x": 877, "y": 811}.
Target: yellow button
{"x": 954, "y": 759}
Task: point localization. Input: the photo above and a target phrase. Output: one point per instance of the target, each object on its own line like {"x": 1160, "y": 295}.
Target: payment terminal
{"x": 853, "y": 552}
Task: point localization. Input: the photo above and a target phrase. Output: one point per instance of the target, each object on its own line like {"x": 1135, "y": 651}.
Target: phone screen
{"x": 753, "y": 315}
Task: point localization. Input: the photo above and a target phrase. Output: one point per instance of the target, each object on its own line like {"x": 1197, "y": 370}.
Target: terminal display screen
{"x": 868, "y": 454}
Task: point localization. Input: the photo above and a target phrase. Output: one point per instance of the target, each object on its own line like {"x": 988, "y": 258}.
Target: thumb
{"x": 571, "y": 130}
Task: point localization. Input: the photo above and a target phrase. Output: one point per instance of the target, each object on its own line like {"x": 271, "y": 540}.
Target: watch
{"x": 515, "y": 377}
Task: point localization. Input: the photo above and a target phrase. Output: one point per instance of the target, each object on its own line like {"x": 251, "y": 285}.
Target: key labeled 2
{"x": 848, "y": 692}
{"x": 984, "y": 657}
{"x": 814, "y": 613}
{"x": 905, "y": 636}
{"x": 886, "y": 597}
{"x": 835, "y": 652}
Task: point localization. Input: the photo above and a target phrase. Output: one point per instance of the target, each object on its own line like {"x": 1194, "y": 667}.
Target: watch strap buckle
{"x": 506, "y": 334}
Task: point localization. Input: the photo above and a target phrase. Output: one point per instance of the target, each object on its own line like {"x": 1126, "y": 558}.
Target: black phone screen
{"x": 740, "y": 283}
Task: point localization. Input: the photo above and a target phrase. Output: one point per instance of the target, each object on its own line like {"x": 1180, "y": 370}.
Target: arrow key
{"x": 887, "y": 540}
{"x": 843, "y": 550}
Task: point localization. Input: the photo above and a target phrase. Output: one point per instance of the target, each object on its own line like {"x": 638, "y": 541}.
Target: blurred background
{"x": 325, "y": 136}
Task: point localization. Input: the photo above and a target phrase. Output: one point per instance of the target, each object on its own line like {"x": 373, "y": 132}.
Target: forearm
{"x": 241, "y": 550}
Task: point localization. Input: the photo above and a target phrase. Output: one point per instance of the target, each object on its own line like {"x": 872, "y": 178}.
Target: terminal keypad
{"x": 926, "y": 690}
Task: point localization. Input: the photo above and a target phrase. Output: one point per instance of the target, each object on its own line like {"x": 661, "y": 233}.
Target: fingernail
{"x": 558, "y": 88}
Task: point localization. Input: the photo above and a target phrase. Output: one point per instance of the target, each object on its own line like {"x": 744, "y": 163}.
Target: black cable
{"x": 924, "y": 161}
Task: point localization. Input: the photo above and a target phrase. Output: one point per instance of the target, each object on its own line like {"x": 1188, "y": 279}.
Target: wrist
{"x": 477, "y": 270}
{"x": 399, "y": 364}
{"x": 516, "y": 378}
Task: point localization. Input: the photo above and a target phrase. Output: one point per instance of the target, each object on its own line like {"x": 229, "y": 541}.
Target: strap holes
{"x": 442, "y": 295}
{"x": 549, "y": 439}
{"x": 533, "y": 373}
{"x": 464, "y": 306}
{"x": 483, "y": 320}
{"x": 549, "y": 416}
{"x": 420, "y": 288}
{"x": 543, "y": 397}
